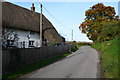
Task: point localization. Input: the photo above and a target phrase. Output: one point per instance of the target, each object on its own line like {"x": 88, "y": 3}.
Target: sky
{"x": 67, "y": 16}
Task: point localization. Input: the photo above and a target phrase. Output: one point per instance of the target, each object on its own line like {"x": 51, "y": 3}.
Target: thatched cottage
{"x": 20, "y": 27}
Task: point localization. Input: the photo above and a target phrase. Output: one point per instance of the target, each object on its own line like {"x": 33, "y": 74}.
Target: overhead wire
{"x": 52, "y": 16}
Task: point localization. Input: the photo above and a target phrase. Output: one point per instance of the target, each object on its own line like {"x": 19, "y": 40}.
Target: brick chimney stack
{"x": 32, "y": 8}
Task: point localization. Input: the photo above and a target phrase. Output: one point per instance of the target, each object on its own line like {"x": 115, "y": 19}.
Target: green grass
{"x": 109, "y": 57}
{"x": 80, "y": 45}
{"x": 36, "y": 65}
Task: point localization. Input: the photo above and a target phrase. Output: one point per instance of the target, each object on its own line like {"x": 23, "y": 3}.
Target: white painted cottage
{"x": 20, "y": 27}
{"x": 20, "y": 38}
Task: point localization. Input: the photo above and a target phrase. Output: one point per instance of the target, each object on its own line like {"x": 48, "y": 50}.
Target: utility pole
{"x": 72, "y": 35}
{"x": 40, "y": 25}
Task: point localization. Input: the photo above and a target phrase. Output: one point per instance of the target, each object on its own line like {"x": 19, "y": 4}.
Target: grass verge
{"x": 109, "y": 57}
{"x": 36, "y": 65}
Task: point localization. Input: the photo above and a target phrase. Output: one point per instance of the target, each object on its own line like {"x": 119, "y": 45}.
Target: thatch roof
{"x": 14, "y": 16}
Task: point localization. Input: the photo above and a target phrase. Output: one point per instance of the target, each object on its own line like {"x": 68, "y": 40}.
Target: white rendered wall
{"x": 22, "y": 35}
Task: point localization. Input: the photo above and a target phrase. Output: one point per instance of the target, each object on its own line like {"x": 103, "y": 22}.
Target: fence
{"x": 16, "y": 58}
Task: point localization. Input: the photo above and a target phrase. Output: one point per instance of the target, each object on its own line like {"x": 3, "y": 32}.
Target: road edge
{"x": 100, "y": 71}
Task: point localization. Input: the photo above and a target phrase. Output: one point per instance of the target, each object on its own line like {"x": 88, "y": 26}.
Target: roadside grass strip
{"x": 109, "y": 57}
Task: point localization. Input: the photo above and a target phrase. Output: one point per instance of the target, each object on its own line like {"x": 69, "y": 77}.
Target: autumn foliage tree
{"x": 97, "y": 14}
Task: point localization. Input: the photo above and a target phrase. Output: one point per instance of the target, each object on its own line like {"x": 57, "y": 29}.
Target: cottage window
{"x": 31, "y": 43}
{"x": 23, "y": 44}
{"x": 10, "y": 43}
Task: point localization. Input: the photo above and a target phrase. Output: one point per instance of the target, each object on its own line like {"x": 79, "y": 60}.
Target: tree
{"x": 8, "y": 34}
{"x": 109, "y": 30}
{"x": 97, "y": 14}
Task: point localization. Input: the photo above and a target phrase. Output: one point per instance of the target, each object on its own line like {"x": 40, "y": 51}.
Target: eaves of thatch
{"x": 14, "y": 16}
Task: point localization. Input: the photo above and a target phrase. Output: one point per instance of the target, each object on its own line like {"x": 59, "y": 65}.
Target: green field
{"x": 109, "y": 57}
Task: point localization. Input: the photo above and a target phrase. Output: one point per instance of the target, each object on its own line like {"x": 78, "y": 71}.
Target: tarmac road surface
{"x": 81, "y": 64}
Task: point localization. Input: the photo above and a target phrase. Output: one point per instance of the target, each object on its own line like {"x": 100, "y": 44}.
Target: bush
{"x": 109, "y": 31}
{"x": 74, "y": 48}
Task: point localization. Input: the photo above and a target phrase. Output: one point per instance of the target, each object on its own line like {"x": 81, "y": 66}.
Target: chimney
{"x": 32, "y": 8}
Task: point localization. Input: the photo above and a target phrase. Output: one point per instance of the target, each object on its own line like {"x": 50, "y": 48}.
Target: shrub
{"x": 74, "y": 48}
{"x": 109, "y": 31}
